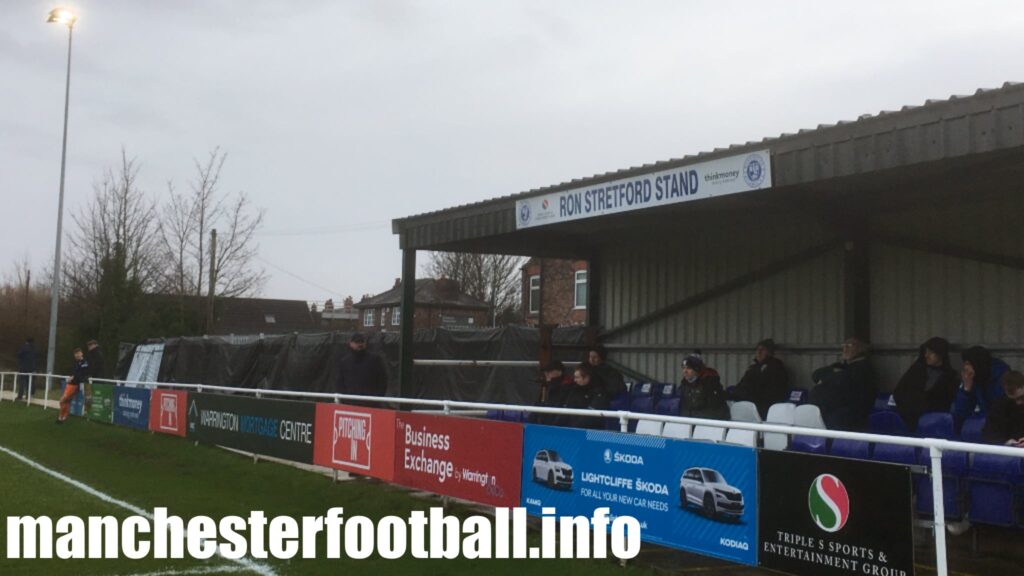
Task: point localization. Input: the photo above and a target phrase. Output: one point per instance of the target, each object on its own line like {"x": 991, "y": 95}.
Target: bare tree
{"x": 119, "y": 225}
{"x": 492, "y": 278}
{"x": 186, "y": 225}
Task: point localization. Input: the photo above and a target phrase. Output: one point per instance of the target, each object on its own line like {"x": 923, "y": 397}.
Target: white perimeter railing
{"x": 935, "y": 446}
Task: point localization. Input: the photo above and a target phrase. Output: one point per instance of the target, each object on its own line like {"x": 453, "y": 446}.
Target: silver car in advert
{"x": 708, "y": 490}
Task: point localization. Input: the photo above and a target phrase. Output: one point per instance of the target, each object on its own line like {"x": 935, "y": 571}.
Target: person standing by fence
{"x": 26, "y": 366}
{"x": 95, "y": 357}
{"x": 79, "y": 378}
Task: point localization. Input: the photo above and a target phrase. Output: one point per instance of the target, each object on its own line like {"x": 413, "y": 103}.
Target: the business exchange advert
{"x": 471, "y": 459}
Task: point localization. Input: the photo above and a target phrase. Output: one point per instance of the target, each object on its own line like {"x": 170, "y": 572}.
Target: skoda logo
{"x": 524, "y": 213}
{"x": 607, "y": 456}
{"x": 828, "y": 503}
{"x": 753, "y": 171}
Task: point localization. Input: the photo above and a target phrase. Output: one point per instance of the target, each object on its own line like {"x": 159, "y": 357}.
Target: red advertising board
{"x": 167, "y": 412}
{"x": 476, "y": 460}
{"x": 355, "y": 439}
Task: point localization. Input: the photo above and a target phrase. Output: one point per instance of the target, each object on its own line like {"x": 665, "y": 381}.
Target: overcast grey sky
{"x": 340, "y": 116}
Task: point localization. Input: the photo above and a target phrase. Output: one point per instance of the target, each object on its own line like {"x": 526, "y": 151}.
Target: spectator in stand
{"x": 26, "y": 365}
{"x": 701, "y": 393}
{"x": 361, "y": 372}
{"x": 1005, "y": 421}
{"x": 95, "y": 357}
{"x": 554, "y": 385}
{"x": 584, "y": 394}
{"x": 929, "y": 385}
{"x": 845, "y": 391}
{"x": 604, "y": 375}
{"x": 980, "y": 383}
{"x": 765, "y": 382}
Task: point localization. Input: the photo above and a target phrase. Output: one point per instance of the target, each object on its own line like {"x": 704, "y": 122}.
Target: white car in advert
{"x": 550, "y": 469}
{"x": 708, "y": 490}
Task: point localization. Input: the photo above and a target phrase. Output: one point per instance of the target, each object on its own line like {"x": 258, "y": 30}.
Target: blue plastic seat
{"x": 882, "y": 402}
{"x": 667, "y": 406}
{"x": 935, "y": 425}
{"x": 808, "y": 444}
{"x": 954, "y": 471}
{"x": 971, "y": 430}
{"x": 895, "y": 453}
{"x": 644, "y": 404}
{"x": 887, "y": 422}
{"x": 494, "y": 414}
{"x": 797, "y": 396}
{"x": 995, "y": 484}
{"x": 620, "y": 402}
{"x": 844, "y": 448}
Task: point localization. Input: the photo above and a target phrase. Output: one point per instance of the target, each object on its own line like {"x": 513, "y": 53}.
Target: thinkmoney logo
{"x": 828, "y": 503}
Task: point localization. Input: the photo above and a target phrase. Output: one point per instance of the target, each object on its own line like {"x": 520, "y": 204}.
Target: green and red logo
{"x": 544, "y": 204}
{"x": 829, "y": 503}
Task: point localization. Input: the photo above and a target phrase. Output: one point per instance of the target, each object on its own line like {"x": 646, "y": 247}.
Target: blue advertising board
{"x": 131, "y": 407}
{"x": 77, "y": 402}
{"x": 696, "y": 496}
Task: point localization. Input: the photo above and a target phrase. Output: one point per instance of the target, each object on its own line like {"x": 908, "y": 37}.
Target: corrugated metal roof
{"x": 988, "y": 120}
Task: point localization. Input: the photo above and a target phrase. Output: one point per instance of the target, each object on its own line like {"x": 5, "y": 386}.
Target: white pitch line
{"x": 195, "y": 571}
{"x": 244, "y": 562}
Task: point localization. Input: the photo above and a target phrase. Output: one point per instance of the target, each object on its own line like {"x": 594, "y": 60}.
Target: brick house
{"x": 554, "y": 292}
{"x": 440, "y": 303}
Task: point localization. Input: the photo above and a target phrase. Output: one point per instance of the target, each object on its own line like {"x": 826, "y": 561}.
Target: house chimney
{"x": 398, "y": 282}
{"x": 447, "y": 289}
{"x": 348, "y": 303}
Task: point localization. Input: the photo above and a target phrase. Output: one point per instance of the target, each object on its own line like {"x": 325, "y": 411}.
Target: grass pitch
{"x": 151, "y": 470}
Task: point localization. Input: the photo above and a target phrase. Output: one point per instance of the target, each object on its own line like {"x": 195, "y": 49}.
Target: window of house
{"x": 581, "y": 289}
{"x": 534, "y": 294}
{"x": 396, "y": 317}
{"x": 368, "y": 317}
{"x": 269, "y": 319}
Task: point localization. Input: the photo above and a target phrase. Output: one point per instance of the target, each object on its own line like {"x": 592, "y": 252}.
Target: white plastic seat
{"x": 712, "y": 433}
{"x": 744, "y": 412}
{"x": 741, "y": 437}
{"x": 677, "y": 430}
{"x": 652, "y": 427}
{"x": 808, "y": 416}
{"x": 781, "y": 413}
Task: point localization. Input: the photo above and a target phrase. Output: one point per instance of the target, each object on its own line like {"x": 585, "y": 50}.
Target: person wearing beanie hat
{"x": 361, "y": 372}
{"x": 604, "y": 375}
{"x": 929, "y": 385}
{"x": 1005, "y": 422}
{"x": 701, "y": 394}
{"x": 765, "y": 382}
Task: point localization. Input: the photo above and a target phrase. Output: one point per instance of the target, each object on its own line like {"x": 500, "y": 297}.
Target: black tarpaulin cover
{"x": 308, "y": 362}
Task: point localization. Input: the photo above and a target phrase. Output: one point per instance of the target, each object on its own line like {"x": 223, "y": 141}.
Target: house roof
{"x": 989, "y": 120}
{"x": 261, "y": 316}
{"x": 430, "y": 292}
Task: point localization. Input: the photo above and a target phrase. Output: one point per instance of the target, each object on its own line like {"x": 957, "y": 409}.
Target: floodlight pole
{"x": 51, "y": 346}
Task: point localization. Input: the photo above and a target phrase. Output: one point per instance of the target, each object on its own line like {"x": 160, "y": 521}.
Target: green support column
{"x": 408, "y": 327}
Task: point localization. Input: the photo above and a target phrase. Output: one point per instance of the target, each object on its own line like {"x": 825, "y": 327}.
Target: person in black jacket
{"x": 604, "y": 375}
{"x": 79, "y": 379}
{"x": 26, "y": 365}
{"x": 701, "y": 394}
{"x": 846, "y": 390}
{"x": 361, "y": 372}
{"x": 1005, "y": 421}
{"x": 765, "y": 382}
{"x": 929, "y": 385}
{"x": 584, "y": 394}
{"x": 95, "y": 357}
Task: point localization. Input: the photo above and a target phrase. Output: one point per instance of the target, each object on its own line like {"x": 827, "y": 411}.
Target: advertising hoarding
{"x": 696, "y": 496}
{"x": 278, "y": 428}
{"x": 831, "y": 516}
{"x": 471, "y": 459}
{"x": 355, "y": 439}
